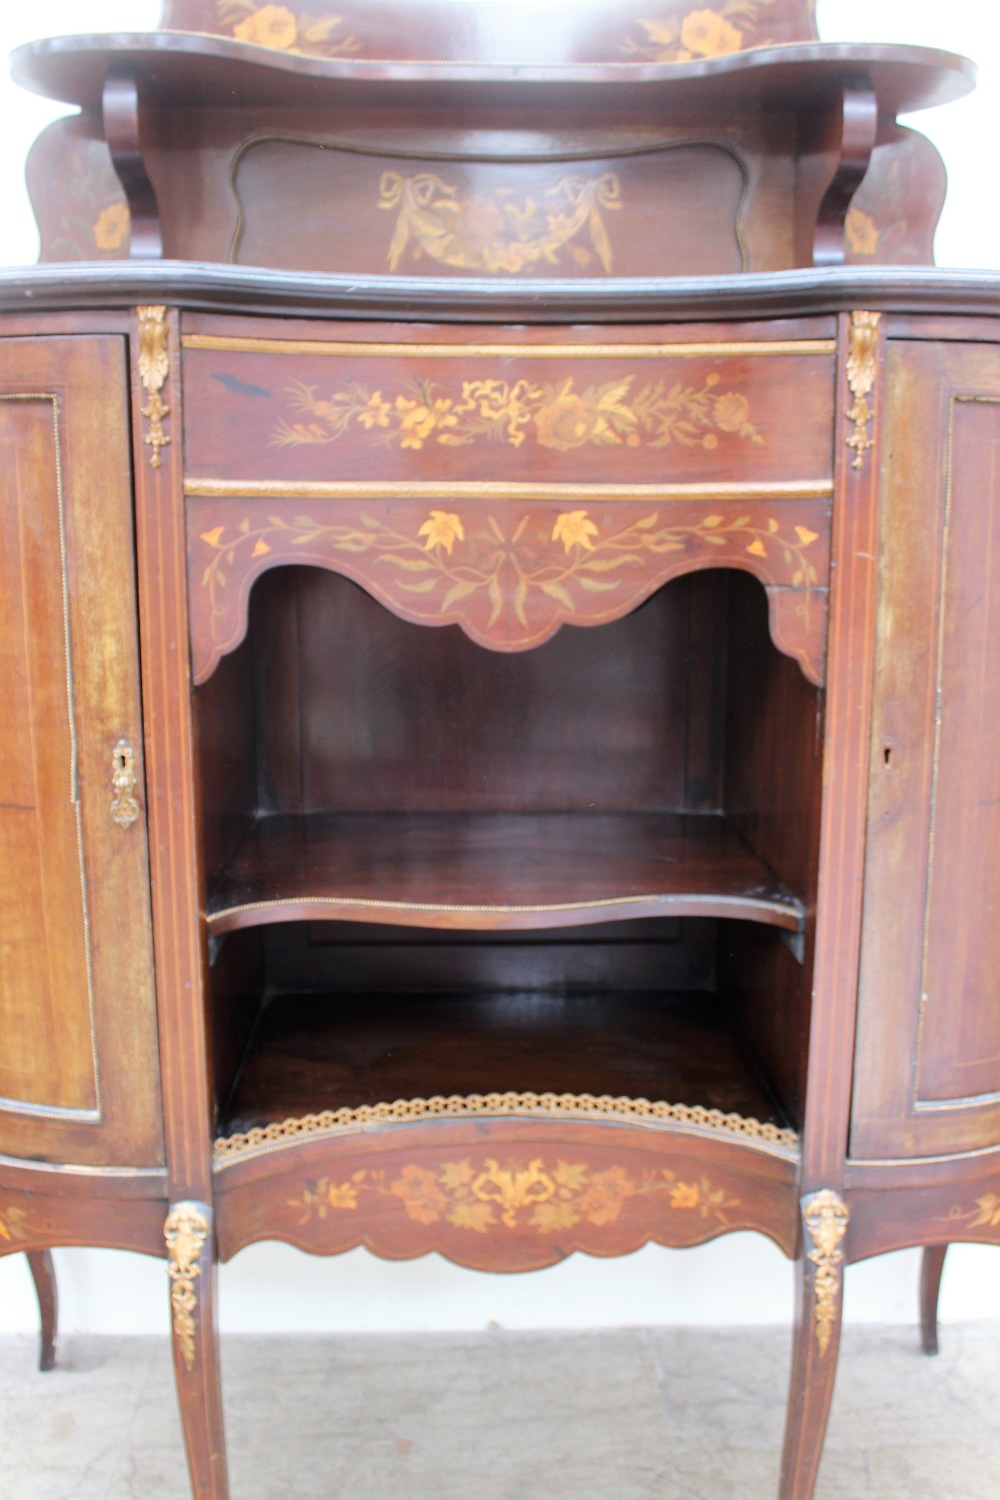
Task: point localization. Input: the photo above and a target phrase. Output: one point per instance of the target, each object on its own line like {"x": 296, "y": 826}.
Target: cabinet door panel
{"x": 78, "y": 1063}
{"x": 928, "y": 1062}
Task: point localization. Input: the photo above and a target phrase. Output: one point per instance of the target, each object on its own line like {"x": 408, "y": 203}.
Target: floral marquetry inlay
{"x": 686, "y": 32}
{"x": 501, "y": 231}
{"x": 508, "y": 574}
{"x": 13, "y": 1225}
{"x": 488, "y": 1196}
{"x": 417, "y": 411}
{"x": 287, "y": 29}
{"x": 985, "y": 1215}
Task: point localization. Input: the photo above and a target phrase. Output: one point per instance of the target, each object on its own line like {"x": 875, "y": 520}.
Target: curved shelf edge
{"x": 72, "y": 69}
{"x": 786, "y": 914}
{"x": 507, "y": 1191}
{"x": 526, "y": 871}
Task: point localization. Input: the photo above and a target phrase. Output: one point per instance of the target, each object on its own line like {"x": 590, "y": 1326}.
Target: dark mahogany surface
{"x": 207, "y": 287}
{"x": 504, "y": 870}
{"x": 314, "y": 1052}
{"x": 198, "y": 71}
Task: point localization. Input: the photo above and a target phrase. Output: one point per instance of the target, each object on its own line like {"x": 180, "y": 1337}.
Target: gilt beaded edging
{"x": 623, "y": 1110}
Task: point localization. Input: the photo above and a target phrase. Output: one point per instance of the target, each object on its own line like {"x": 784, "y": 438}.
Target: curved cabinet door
{"x": 78, "y": 1059}
{"x": 927, "y": 1070}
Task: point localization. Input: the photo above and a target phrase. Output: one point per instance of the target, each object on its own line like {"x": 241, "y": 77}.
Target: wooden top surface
{"x": 213, "y": 287}
{"x": 203, "y": 70}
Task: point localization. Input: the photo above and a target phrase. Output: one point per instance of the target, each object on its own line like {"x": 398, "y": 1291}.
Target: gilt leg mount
{"x": 186, "y": 1232}
{"x": 825, "y": 1217}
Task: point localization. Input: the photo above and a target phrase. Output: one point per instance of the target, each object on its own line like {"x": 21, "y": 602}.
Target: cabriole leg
{"x": 191, "y": 1268}
{"x": 930, "y": 1288}
{"x": 43, "y": 1274}
{"x": 816, "y": 1343}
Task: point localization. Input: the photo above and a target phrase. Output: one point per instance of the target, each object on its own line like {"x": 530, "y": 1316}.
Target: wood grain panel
{"x": 933, "y": 883}
{"x": 46, "y": 982}
{"x": 79, "y": 1014}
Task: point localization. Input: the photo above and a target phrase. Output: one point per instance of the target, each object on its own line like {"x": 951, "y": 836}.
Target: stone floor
{"x": 686, "y": 1414}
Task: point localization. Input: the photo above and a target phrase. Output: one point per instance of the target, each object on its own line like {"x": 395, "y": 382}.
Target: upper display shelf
{"x": 609, "y": 138}
{"x": 196, "y": 70}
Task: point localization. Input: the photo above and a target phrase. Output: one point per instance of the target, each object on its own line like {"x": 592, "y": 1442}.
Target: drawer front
{"x": 508, "y": 487}
{"x": 292, "y": 411}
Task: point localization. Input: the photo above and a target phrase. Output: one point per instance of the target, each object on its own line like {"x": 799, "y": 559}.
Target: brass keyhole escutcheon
{"x": 124, "y": 806}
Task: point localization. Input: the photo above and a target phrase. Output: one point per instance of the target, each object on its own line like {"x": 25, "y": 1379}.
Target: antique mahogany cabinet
{"x": 652, "y": 893}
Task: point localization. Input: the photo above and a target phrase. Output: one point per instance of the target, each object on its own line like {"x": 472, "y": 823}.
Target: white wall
{"x": 739, "y": 1279}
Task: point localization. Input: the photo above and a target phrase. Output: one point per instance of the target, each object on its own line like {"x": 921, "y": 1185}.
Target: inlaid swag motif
{"x": 417, "y": 411}
{"x": 489, "y": 1196}
{"x": 511, "y": 573}
{"x": 501, "y": 231}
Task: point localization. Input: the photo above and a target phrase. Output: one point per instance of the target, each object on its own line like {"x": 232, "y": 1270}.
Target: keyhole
{"x": 887, "y": 753}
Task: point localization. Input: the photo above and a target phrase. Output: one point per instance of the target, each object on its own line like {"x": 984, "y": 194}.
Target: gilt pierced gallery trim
{"x": 185, "y": 1231}
{"x": 331, "y": 1123}
{"x": 154, "y": 367}
{"x": 18, "y": 1106}
{"x": 200, "y": 487}
{"x": 765, "y": 348}
{"x": 825, "y": 1217}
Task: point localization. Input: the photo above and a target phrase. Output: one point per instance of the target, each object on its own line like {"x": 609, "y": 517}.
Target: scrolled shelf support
{"x": 122, "y": 106}
{"x": 858, "y": 134}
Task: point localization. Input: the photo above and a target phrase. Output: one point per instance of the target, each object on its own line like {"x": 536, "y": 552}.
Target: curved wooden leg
{"x": 191, "y": 1268}
{"x": 816, "y": 1343}
{"x": 930, "y": 1288}
{"x": 43, "y": 1274}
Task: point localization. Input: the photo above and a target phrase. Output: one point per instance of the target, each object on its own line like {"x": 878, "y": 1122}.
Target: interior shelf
{"x": 495, "y": 870}
{"x": 318, "y": 1052}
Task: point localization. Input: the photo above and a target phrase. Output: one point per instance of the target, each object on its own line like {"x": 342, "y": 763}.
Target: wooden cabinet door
{"x": 927, "y": 1070}
{"x": 78, "y": 1058}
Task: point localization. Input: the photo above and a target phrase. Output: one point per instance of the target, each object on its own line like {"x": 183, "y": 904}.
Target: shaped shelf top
{"x": 191, "y": 70}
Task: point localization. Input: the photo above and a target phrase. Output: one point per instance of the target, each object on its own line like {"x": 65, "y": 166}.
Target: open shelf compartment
{"x": 582, "y": 872}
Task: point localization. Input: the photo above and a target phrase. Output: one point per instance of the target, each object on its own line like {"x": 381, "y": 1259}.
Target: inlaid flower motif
{"x": 862, "y": 232}
{"x": 418, "y": 420}
{"x": 574, "y": 530}
{"x": 685, "y": 1195}
{"x": 420, "y": 1194}
{"x": 442, "y": 529}
{"x": 112, "y": 226}
{"x": 605, "y": 1194}
{"x": 481, "y": 220}
{"x": 732, "y": 412}
{"x": 271, "y": 26}
{"x": 704, "y": 33}
{"x": 376, "y": 413}
{"x": 568, "y": 421}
